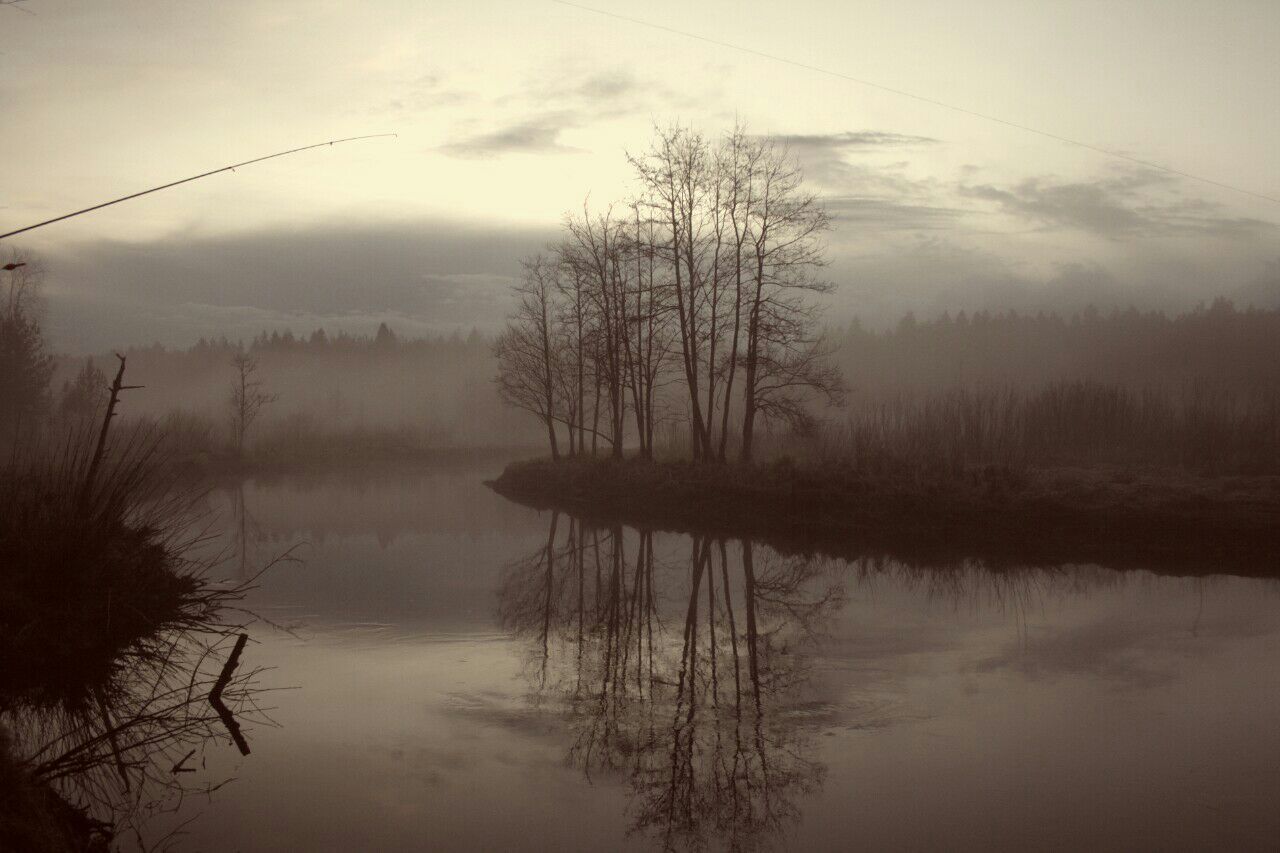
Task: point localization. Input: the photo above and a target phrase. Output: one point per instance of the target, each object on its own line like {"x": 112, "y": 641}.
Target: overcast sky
{"x": 510, "y": 113}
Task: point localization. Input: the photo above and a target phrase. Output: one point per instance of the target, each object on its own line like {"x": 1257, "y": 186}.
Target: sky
{"x": 510, "y": 114}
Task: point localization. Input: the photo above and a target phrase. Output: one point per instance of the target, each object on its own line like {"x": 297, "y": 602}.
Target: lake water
{"x": 451, "y": 670}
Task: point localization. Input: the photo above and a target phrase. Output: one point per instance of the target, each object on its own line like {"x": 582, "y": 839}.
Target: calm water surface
{"x": 461, "y": 672}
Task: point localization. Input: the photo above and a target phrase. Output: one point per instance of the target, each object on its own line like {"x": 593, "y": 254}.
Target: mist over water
{"x": 450, "y": 685}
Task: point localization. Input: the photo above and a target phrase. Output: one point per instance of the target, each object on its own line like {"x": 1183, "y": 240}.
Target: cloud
{"x": 421, "y": 93}
{"x": 436, "y": 275}
{"x": 888, "y": 214}
{"x": 601, "y": 93}
{"x": 854, "y": 140}
{"x": 608, "y": 87}
{"x": 1133, "y": 203}
{"x": 875, "y": 195}
{"x": 566, "y": 101}
{"x": 892, "y": 271}
{"x": 899, "y": 243}
{"x": 536, "y": 135}
{"x": 826, "y": 163}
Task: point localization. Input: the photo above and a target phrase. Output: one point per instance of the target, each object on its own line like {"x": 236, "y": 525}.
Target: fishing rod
{"x": 230, "y": 168}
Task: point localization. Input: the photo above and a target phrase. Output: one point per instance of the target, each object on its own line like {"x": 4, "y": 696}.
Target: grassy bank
{"x": 1155, "y": 518}
{"x": 103, "y": 612}
{"x": 92, "y": 562}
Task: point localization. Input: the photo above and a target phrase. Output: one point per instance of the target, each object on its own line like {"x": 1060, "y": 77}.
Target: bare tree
{"x": 674, "y": 174}
{"x": 247, "y": 396}
{"x": 595, "y": 250}
{"x": 652, "y": 335}
{"x": 531, "y": 348}
{"x": 575, "y": 321}
{"x": 783, "y": 358}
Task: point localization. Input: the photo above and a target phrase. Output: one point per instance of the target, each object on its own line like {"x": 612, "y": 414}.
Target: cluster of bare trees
{"x": 693, "y": 302}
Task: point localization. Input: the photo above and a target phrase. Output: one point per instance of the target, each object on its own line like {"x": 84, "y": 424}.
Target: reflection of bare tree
{"x": 246, "y": 530}
{"x": 968, "y": 582}
{"x": 128, "y": 747}
{"x": 680, "y": 677}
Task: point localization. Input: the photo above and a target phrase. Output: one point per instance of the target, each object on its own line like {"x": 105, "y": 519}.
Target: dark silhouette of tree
{"x": 532, "y": 348}
{"x": 779, "y": 225}
{"x": 247, "y": 397}
{"x": 384, "y": 337}
{"x": 595, "y": 252}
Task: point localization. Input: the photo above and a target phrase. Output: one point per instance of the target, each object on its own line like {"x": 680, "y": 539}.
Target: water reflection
{"x": 684, "y": 665}
{"x": 683, "y": 676}
{"x": 111, "y": 746}
{"x": 478, "y": 675}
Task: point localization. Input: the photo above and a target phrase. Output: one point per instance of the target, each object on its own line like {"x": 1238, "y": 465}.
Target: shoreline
{"x": 351, "y": 460}
{"x": 1167, "y": 522}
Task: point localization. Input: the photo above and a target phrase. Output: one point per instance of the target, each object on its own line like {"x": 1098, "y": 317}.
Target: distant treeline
{"x": 381, "y": 343}
{"x": 325, "y": 390}
{"x": 1199, "y": 388}
{"x": 1218, "y": 344}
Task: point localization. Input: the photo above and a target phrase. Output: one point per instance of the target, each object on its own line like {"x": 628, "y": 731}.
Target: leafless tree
{"x": 783, "y": 358}
{"x": 576, "y": 324}
{"x": 651, "y": 334}
{"x": 530, "y": 350}
{"x": 674, "y": 174}
{"x": 247, "y": 396}
{"x": 595, "y": 250}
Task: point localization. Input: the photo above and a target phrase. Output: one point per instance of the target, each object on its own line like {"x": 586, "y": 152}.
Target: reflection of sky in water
{"x": 943, "y": 710}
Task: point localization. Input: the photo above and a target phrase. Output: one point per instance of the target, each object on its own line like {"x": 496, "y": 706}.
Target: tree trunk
{"x": 551, "y": 437}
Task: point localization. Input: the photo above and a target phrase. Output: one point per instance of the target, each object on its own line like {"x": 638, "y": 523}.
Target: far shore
{"x": 348, "y": 458}
{"x": 1166, "y": 521}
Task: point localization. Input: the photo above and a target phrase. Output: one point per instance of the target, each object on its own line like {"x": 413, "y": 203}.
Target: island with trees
{"x": 671, "y": 347}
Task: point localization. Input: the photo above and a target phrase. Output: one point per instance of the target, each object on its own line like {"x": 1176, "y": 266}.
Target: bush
{"x": 91, "y": 568}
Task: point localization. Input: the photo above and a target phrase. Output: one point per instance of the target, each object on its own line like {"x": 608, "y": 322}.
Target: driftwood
{"x": 215, "y": 695}
{"x": 181, "y": 766}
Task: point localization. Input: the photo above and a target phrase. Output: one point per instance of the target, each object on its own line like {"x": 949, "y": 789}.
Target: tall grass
{"x": 1203, "y": 427}
{"x": 111, "y": 632}
{"x": 92, "y": 566}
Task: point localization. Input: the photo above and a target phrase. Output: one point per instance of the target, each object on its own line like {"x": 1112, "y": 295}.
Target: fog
{"x": 438, "y": 277}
